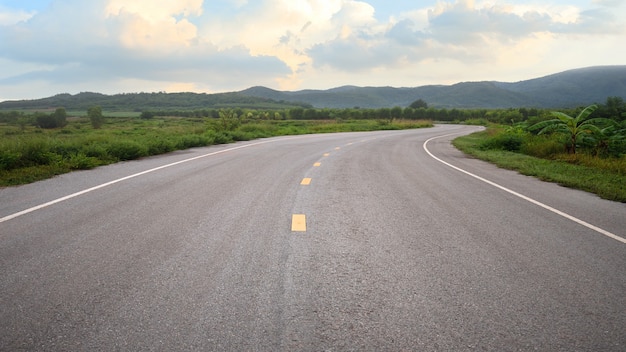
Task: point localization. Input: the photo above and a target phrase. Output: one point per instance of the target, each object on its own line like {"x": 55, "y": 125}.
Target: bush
{"x": 95, "y": 150}
{"x": 542, "y": 146}
{"x": 9, "y": 159}
{"x": 241, "y": 135}
{"x": 160, "y": 146}
{"x": 476, "y": 122}
{"x": 80, "y": 161}
{"x": 503, "y": 141}
{"x": 190, "y": 141}
{"x": 57, "y": 119}
{"x": 218, "y": 137}
{"x": 126, "y": 150}
{"x": 146, "y": 115}
{"x": 35, "y": 152}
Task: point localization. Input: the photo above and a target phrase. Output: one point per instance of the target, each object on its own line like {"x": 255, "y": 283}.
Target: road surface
{"x": 350, "y": 241}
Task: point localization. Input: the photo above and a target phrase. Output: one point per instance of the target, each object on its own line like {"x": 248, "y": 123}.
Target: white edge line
{"x": 74, "y": 195}
{"x": 547, "y": 207}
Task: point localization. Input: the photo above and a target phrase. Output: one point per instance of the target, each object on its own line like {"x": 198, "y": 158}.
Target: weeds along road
{"x": 352, "y": 241}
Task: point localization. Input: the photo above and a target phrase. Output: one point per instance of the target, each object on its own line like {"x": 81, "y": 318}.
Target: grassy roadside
{"x": 29, "y": 154}
{"x": 606, "y": 180}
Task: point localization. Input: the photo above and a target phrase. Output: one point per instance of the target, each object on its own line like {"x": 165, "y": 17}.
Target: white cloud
{"x": 153, "y": 24}
{"x": 465, "y": 32}
{"x": 113, "y": 42}
{"x": 610, "y": 3}
{"x": 292, "y": 44}
{"x": 11, "y": 16}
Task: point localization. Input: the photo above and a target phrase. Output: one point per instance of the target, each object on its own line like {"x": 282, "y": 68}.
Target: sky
{"x": 49, "y": 47}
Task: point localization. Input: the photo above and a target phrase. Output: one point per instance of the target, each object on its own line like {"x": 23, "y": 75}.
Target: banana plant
{"x": 572, "y": 127}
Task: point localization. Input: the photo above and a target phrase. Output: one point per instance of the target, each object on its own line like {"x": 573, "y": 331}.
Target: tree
{"x": 57, "y": 119}
{"x": 147, "y": 115}
{"x": 310, "y": 114}
{"x": 296, "y": 113}
{"x": 229, "y": 119}
{"x": 95, "y": 116}
{"x": 395, "y": 113}
{"x": 572, "y": 127}
{"x": 614, "y": 108}
{"x": 60, "y": 116}
{"x": 385, "y": 113}
{"x": 419, "y": 103}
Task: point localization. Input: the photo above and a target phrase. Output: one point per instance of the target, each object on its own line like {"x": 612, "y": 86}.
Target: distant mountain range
{"x": 566, "y": 89}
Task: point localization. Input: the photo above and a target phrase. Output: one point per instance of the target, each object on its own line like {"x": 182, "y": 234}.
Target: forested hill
{"x": 149, "y": 101}
{"x": 566, "y": 89}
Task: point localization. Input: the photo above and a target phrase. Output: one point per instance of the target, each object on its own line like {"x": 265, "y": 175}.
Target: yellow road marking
{"x": 337, "y": 148}
{"x": 298, "y": 223}
{"x": 306, "y": 181}
{"x": 317, "y": 164}
{"x": 327, "y": 154}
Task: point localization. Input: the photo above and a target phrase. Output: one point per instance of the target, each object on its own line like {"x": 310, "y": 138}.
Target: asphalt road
{"x": 389, "y": 249}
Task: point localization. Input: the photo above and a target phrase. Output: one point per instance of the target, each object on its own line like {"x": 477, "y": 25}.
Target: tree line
{"x": 614, "y": 108}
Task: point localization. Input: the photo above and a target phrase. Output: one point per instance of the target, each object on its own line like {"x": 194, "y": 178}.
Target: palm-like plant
{"x": 573, "y": 127}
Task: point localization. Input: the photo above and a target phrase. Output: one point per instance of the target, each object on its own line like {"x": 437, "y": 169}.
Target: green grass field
{"x": 605, "y": 177}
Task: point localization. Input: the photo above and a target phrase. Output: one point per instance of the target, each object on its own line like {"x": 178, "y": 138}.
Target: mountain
{"x": 566, "y": 89}
{"x": 148, "y": 101}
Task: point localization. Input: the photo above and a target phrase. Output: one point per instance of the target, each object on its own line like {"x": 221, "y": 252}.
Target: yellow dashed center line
{"x": 327, "y": 154}
{"x": 306, "y": 181}
{"x": 317, "y": 164}
{"x": 337, "y": 148}
{"x": 298, "y": 223}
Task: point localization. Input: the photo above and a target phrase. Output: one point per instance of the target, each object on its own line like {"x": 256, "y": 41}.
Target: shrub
{"x": 35, "y": 152}
{"x": 476, "y": 122}
{"x": 95, "y": 150}
{"x": 190, "y": 141}
{"x": 146, "y": 115}
{"x": 51, "y": 121}
{"x": 9, "y": 159}
{"x": 80, "y": 161}
{"x": 503, "y": 141}
{"x": 218, "y": 137}
{"x": 160, "y": 146}
{"x": 126, "y": 150}
{"x": 542, "y": 146}
{"x": 239, "y": 135}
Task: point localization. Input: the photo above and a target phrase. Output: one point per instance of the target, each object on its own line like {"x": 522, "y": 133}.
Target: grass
{"x": 604, "y": 177}
{"x": 29, "y": 154}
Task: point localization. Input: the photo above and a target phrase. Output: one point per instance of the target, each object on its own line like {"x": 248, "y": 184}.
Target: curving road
{"x": 350, "y": 241}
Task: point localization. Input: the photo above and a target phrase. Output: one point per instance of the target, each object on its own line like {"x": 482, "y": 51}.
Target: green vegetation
{"x": 29, "y": 152}
{"x": 94, "y": 114}
{"x": 583, "y": 153}
{"x": 572, "y": 127}
{"x": 145, "y": 101}
{"x": 57, "y": 119}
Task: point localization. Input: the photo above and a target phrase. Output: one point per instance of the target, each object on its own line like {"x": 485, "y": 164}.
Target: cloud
{"x": 153, "y": 24}
{"x": 221, "y": 45}
{"x": 10, "y": 16}
{"x": 609, "y": 3}
{"x": 459, "y": 31}
{"x": 112, "y": 41}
